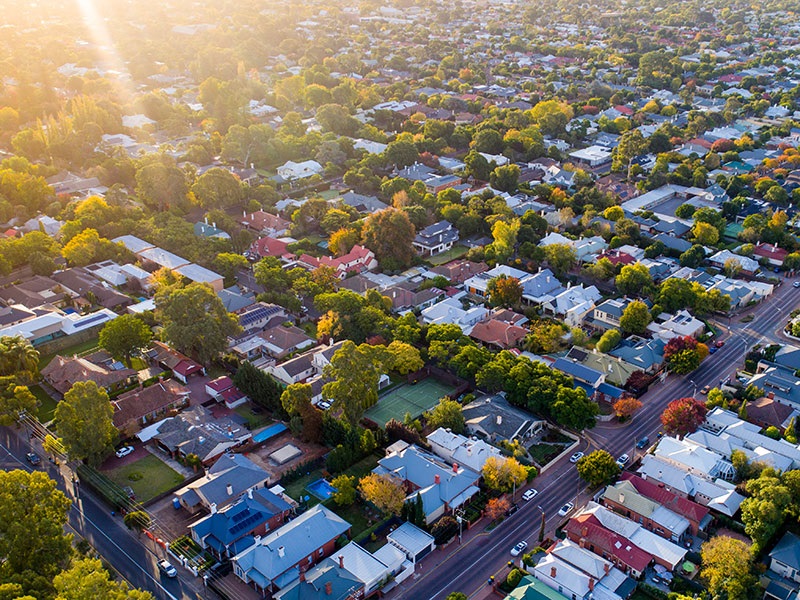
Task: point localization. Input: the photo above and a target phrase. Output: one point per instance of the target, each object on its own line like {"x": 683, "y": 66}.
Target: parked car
{"x": 167, "y": 569}
{"x": 643, "y": 443}
{"x": 565, "y": 509}
{"x": 530, "y": 494}
{"x": 622, "y": 461}
{"x": 705, "y": 389}
{"x": 796, "y": 284}
{"x": 519, "y": 548}
{"x": 720, "y": 344}
{"x": 512, "y": 509}
{"x": 33, "y": 458}
{"x": 124, "y": 451}
{"x": 655, "y": 579}
{"x": 576, "y": 457}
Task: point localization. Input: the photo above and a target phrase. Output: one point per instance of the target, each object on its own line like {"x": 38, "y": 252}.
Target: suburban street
{"x": 89, "y": 517}
{"x": 469, "y": 566}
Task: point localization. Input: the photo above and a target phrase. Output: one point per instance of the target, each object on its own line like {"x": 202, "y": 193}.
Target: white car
{"x": 124, "y": 451}
{"x": 622, "y": 461}
{"x": 576, "y": 457}
{"x": 519, "y": 549}
{"x": 167, "y": 569}
{"x": 565, "y": 509}
{"x": 529, "y": 495}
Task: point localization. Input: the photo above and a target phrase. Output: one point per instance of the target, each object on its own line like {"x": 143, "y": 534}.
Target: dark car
{"x": 33, "y": 458}
{"x": 642, "y": 443}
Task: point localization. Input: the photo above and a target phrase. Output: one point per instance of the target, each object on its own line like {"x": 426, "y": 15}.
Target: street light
{"x": 541, "y": 529}
{"x": 694, "y": 388}
{"x": 460, "y": 522}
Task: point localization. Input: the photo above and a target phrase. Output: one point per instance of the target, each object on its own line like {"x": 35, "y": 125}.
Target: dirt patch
{"x": 260, "y": 455}
{"x": 737, "y": 536}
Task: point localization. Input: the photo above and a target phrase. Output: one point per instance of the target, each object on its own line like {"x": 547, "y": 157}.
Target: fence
{"x": 461, "y": 386}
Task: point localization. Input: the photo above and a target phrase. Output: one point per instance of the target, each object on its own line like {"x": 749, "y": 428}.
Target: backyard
{"x": 408, "y": 398}
{"x": 75, "y": 350}
{"x": 148, "y": 477}
{"x": 297, "y": 488}
{"x": 254, "y": 419}
{"x": 445, "y": 257}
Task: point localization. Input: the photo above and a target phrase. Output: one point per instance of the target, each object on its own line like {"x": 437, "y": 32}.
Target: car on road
{"x": 796, "y": 284}
{"x": 642, "y": 443}
{"x": 705, "y": 389}
{"x": 33, "y": 458}
{"x": 622, "y": 461}
{"x": 530, "y": 494}
{"x": 565, "y": 509}
{"x": 720, "y": 343}
{"x": 655, "y": 579}
{"x": 576, "y": 457}
{"x": 124, "y": 451}
{"x": 519, "y": 548}
{"x": 167, "y": 569}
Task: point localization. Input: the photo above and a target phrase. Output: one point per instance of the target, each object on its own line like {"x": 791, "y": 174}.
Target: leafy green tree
{"x": 505, "y": 178}
{"x": 477, "y": 166}
{"x": 446, "y": 414}
{"x": 88, "y": 247}
{"x": 560, "y": 257}
{"x": 574, "y": 409}
{"x": 33, "y": 513}
{"x": 728, "y": 569}
{"x": 631, "y": 144}
{"x": 705, "y": 233}
{"x": 137, "y": 519}
{"x": 125, "y": 336}
{"x": 608, "y": 341}
{"x": 195, "y": 320}
{"x": 693, "y": 257}
{"x": 402, "y": 153}
{"x": 634, "y": 280}
{"x": 15, "y": 401}
{"x": 260, "y": 387}
{"x": 683, "y": 416}
{"x": 764, "y": 512}
{"x": 355, "y": 372}
{"x": 345, "y": 486}
{"x": 456, "y": 596}
{"x": 88, "y": 579}
{"x": 85, "y": 423}
{"x": 161, "y": 185}
{"x": 18, "y": 358}
{"x": 228, "y": 264}
{"x": 551, "y": 116}
{"x": 504, "y": 291}
{"x": 389, "y": 234}
{"x": 218, "y": 188}
{"x": 635, "y": 318}
{"x": 403, "y": 358}
{"x": 597, "y": 468}
{"x": 505, "y": 239}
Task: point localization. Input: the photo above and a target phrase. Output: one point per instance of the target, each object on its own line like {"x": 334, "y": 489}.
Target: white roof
{"x": 365, "y": 566}
{"x": 198, "y": 274}
{"x": 410, "y": 538}
{"x": 143, "y": 306}
{"x": 133, "y": 243}
{"x": 689, "y": 455}
{"x": 163, "y": 258}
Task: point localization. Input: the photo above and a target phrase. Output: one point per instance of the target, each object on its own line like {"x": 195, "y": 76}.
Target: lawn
{"x": 254, "y": 419}
{"x": 148, "y": 477}
{"x": 297, "y": 488}
{"x": 544, "y": 453}
{"x": 77, "y": 349}
{"x": 355, "y": 514}
{"x": 47, "y": 406}
{"x": 445, "y": 257}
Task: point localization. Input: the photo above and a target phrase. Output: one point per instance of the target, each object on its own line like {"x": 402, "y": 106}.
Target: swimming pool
{"x": 321, "y": 489}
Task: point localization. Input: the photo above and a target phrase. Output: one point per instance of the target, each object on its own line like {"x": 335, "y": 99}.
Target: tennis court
{"x": 408, "y": 398}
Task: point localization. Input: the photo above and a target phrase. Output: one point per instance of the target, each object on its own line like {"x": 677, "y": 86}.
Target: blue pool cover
{"x": 271, "y": 431}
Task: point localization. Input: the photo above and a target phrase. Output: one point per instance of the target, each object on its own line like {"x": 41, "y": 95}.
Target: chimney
{"x": 771, "y": 395}
{"x": 213, "y": 508}
{"x": 436, "y": 479}
{"x": 584, "y": 531}
{"x": 499, "y": 419}
{"x": 553, "y": 571}
{"x": 341, "y": 561}
{"x": 281, "y": 551}
{"x": 606, "y": 568}
{"x": 582, "y": 543}
{"x": 455, "y": 467}
{"x": 302, "y": 575}
{"x": 229, "y": 489}
{"x": 328, "y": 588}
{"x": 257, "y": 539}
{"x": 622, "y": 498}
{"x": 591, "y": 583}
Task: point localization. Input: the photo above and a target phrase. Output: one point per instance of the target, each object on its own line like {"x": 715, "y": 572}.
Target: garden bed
{"x": 544, "y": 453}
{"x": 186, "y": 547}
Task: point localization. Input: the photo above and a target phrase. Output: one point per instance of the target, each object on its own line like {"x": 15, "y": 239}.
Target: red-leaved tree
{"x": 683, "y": 416}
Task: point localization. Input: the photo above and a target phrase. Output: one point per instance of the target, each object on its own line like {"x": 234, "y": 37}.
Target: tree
{"x": 631, "y": 144}
{"x": 161, "y": 185}
{"x": 402, "y": 153}
{"x": 608, "y": 341}
{"x": 574, "y": 409}
{"x": 389, "y": 234}
{"x": 88, "y": 247}
{"x": 634, "y": 280}
{"x": 446, "y": 414}
{"x": 693, "y": 257}
{"x": 504, "y": 291}
{"x": 403, "y": 358}
{"x": 597, "y": 468}
{"x": 551, "y": 116}
{"x": 85, "y": 423}
{"x": 15, "y": 401}
{"x": 635, "y": 318}
{"x": 497, "y": 507}
{"x": 626, "y": 406}
{"x": 728, "y": 569}
{"x": 345, "y": 486}
{"x": 505, "y": 239}
{"x": 88, "y": 579}
{"x": 503, "y": 474}
{"x": 476, "y": 166}
{"x": 355, "y": 372}
{"x": 195, "y": 320}
{"x": 705, "y": 233}
{"x": 505, "y": 178}
{"x": 218, "y": 188}
{"x": 259, "y": 386}
{"x": 764, "y": 512}
{"x": 385, "y": 492}
{"x": 228, "y": 264}
{"x": 18, "y": 358}
{"x": 683, "y": 416}
{"x": 137, "y": 519}
{"x": 125, "y": 336}
{"x": 33, "y": 513}
{"x": 560, "y": 257}
{"x": 456, "y": 596}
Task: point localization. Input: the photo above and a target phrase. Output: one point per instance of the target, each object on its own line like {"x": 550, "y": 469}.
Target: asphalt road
{"x": 90, "y": 518}
{"x": 468, "y": 569}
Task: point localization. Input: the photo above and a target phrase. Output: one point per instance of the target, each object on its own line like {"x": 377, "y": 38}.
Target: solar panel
{"x": 90, "y": 321}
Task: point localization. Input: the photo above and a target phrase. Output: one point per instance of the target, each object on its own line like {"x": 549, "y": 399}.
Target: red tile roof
{"x": 677, "y": 504}
{"x": 607, "y": 542}
{"x": 268, "y": 246}
{"x": 770, "y": 251}
{"x": 498, "y": 333}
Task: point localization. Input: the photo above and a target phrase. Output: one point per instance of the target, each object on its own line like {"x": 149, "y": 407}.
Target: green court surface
{"x": 408, "y": 398}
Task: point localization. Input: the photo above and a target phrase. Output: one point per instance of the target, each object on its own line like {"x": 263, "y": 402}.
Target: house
{"x": 451, "y": 310}
{"x": 695, "y": 458}
{"x": 295, "y": 370}
{"x": 292, "y": 171}
{"x": 590, "y": 378}
{"x": 494, "y": 419}
{"x": 53, "y": 324}
{"x": 325, "y": 581}
{"x": 234, "y": 298}
{"x": 748, "y": 265}
{"x": 529, "y": 588}
{"x": 593, "y": 158}
{"x": 363, "y": 204}
{"x": 574, "y": 304}
{"x": 479, "y": 283}
{"x": 606, "y": 315}
{"x": 406, "y": 296}
{"x": 222, "y": 389}
{"x": 773, "y": 254}
{"x": 86, "y": 289}
{"x": 585, "y": 531}
{"x": 34, "y": 292}
{"x": 769, "y": 412}
{"x": 265, "y": 223}
{"x": 182, "y": 366}
{"x": 644, "y": 355}
{"x": 195, "y": 431}
{"x": 227, "y": 532}
{"x": 498, "y": 334}
{"x": 256, "y": 317}
{"x": 137, "y": 408}
{"x": 270, "y": 246}
{"x": 203, "y": 229}
{"x": 578, "y": 573}
{"x": 459, "y": 271}
{"x": 457, "y": 449}
{"x": 63, "y": 372}
{"x": 358, "y": 260}
{"x": 624, "y": 499}
{"x": 278, "y": 342}
{"x": 197, "y": 274}
{"x": 785, "y": 557}
{"x": 681, "y": 324}
{"x": 435, "y": 239}
{"x": 44, "y": 223}
{"x": 276, "y": 560}
{"x": 441, "y": 488}
{"x": 412, "y": 541}
{"x": 230, "y": 477}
